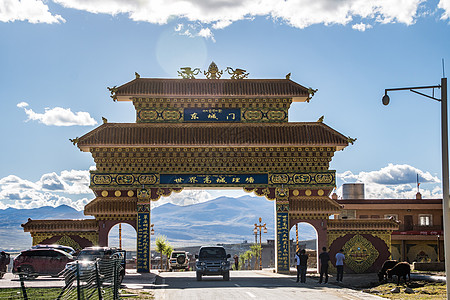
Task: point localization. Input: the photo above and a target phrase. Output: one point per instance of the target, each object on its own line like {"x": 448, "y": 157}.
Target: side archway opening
{"x": 307, "y": 237}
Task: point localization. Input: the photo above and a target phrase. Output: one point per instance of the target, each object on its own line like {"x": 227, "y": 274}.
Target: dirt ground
{"x": 415, "y": 289}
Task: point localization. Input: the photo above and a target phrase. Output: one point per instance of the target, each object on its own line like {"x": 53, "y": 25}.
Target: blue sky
{"x": 57, "y": 58}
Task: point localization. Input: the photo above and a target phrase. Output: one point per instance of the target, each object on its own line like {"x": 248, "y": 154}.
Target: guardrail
{"x": 99, "y": 280}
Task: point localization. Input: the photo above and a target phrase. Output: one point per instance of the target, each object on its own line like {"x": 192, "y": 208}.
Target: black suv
{"x": 212, "y": 261}
{"x": 105, "y": 257}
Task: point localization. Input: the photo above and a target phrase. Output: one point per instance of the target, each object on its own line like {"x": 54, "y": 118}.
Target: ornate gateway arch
{"x": 210, "y": 133}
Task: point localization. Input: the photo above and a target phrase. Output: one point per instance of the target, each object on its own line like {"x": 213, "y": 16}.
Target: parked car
{"x": 87, "y": 258}
{"x": 37, "y": 262}
{"x": 212, "y": 261}
{"x": 67, "y": 249}
{"x": 178, "y": 260}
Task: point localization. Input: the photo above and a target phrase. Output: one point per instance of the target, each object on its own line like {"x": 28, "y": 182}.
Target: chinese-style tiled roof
{"x": 247, "y": 88}
{"x": 212, "y": 134}
{"x": 313, "y": 204}
{"x": 366, "y": 224}
{"x": 111, "y": 206}
{"x": 60, "y": 225}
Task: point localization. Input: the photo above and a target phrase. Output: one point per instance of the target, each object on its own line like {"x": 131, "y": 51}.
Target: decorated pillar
{"x": 282, "y": 230}
{"x": 143, "y": 225}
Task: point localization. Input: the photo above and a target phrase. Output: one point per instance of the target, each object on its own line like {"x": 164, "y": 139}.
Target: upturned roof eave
{"x": 296, "y": 91}
{"x": 84, "y": 144}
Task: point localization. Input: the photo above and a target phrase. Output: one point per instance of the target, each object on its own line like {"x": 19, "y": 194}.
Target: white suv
{"x": 179, "y": 260}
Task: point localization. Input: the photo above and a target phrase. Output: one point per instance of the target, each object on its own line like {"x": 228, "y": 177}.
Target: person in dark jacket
{"x": 302, "y": 264}
{"x": 324, "y": 258}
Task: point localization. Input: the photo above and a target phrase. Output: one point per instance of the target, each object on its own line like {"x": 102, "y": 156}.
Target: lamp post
{"x": 152, "y": 232}
{"x": 445, "y": 169}
{"x": 260, "y": 227}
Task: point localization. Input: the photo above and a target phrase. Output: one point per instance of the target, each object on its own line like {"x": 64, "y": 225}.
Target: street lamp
{"x": 152, "y": 232}
{"x": 445, "y": 170}
{"x": 260, "y": 227}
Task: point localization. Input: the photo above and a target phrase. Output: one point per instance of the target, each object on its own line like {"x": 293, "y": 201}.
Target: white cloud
{"x": 58, "y": 116}
{"x": 393, "y": 181}
{"x": 361, "y": 26}
{"x": 33, "y": 11}
{"x": 392, "y": 174}
{"x": 51, "y": 189}
{"x": 179, "y": 27}
{"x": 221, "y": 24}
{"x": 22, "y": 104}
{"x": 445, "y": 5}
{"x": 297, "y": 13}
{"x": 206, "y": 33}
{"x": 185, "y": 197}
{"x": 220, "y": 14}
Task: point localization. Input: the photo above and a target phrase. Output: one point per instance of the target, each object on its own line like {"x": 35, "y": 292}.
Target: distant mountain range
{"x": 12, "y": 235}
{"x": 222, "y": 220}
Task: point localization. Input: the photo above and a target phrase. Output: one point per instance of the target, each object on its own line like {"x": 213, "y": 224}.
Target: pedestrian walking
{"x": 340, "y": 257}
{"x": 302, "y": 264}
{"x": 324, "y": 258}
{"x": 236, "y": 262}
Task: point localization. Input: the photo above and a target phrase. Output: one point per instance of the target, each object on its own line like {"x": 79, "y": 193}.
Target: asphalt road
{"x": 248, "y": 285}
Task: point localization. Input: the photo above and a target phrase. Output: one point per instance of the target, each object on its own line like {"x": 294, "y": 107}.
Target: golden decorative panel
{"x": 158, "y": 104}
{"x": 283, "y": 160}
{"x": 67, "y": 241}
{"x": 360, "y": 253}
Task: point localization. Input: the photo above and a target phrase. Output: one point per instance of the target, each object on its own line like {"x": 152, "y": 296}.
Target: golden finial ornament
{"x": 288, "y": 76}
{"x": 188, "y": 73}
{"x": 74, "y": 141}
{"x": 320, "y": 119}
{"x": 311, "y": 93}
{"x": 350, "y": 140}
{"x": 105, "y": 120}
{"x": 213, "y": 72}
{"x": 113, "y": 91}
{"x": 237, "y": 74}
{"x": 137, "y": 75}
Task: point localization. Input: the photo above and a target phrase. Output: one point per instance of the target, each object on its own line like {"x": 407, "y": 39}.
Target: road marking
{"x": 250, "y": 294}
{"x": 237, "y": 285}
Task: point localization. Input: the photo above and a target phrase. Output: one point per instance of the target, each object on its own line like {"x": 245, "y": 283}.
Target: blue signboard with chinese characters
{"x": 143, "y": 240}
{"x": 191, "y": 179}
{"x": 283, "y": 241}
{"x": 212, "y": 115}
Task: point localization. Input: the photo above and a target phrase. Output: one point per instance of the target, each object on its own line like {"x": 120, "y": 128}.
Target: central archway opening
{"x": 204, "y": 217}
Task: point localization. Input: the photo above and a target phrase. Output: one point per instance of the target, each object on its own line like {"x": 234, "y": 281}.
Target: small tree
{"x": 167, "y": 252}
{"x": 161, "y": 245}
{"x": 246, "y": 257}
{"x": 255, "y": 249}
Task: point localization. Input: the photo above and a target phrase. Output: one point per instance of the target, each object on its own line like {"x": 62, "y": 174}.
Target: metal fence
{"x": 99, "y": 280}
